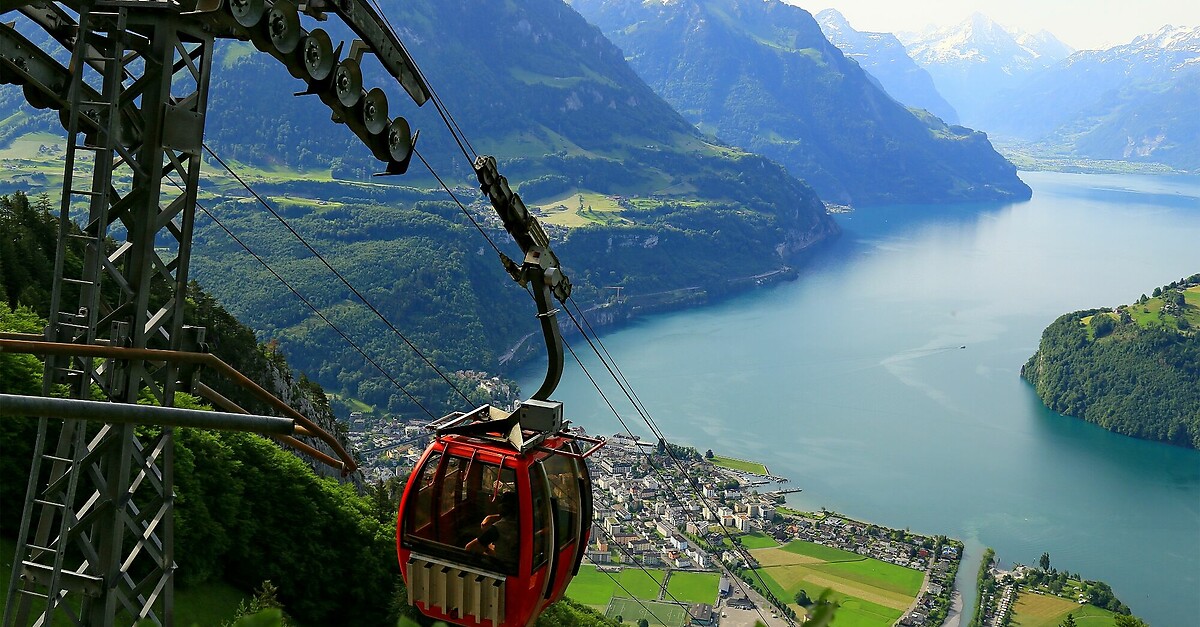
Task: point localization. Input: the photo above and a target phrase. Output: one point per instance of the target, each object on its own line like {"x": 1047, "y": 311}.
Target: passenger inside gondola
{"x": 499, "y": 535}
{"x": 455, "y": 495}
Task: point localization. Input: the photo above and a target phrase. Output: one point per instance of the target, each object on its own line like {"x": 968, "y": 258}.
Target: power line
{"x": 460, "y": 204}
{"x": 339, "y": 275}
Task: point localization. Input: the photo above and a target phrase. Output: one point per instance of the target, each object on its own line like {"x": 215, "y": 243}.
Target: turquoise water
{"x": 884, "y": 382}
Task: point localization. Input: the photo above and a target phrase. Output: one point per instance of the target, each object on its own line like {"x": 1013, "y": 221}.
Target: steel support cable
{"x": 642, "y": 567}
{"x": 657, "y": 471}
{"x": 658, "y": 434}
{"x": 459, "y": 203}
{"x": 626, "y": 590}
{"x": 451, "y": 124}
{"x": 339, "y": 275}
{"x": 316, "y": 311}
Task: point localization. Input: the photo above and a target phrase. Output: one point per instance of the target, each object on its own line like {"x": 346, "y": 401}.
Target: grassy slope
{"x": 1040, "y": 610}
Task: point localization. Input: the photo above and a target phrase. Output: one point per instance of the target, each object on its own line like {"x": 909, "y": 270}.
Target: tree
{"x": 1102, "y": 325}
{"x": 1130, "y": 621}
{"x": 708, "y": 454}
{"x": 1044, "y": 561}
{"x": 1069, "y": 621}
{"x": 643, "y": 622}
{"x": 802, "y": 598}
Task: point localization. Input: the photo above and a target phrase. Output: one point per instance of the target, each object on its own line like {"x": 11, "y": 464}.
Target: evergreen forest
{"x": 1132, "y": 370}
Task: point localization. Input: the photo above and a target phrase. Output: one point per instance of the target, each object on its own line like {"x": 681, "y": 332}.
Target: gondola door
{"x": 567, "y": 498}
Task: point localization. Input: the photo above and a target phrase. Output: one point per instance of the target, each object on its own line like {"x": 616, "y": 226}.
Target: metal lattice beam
{"x": 96, "y": 544}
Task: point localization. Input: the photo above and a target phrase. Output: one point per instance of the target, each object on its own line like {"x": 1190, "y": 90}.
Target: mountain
{"x": 1158, "y": 123}
{"x": 1136, "y": 101}
{"x": 1133, "y": 370}
{"x": 762, "y": 76}
{"x": 631, "y": 194}
{"x": 971, "y": 61}
{"x": 885, "y": 58}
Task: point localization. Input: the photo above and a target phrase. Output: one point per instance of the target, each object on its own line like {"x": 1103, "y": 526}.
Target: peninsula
{"x": 1133, "y": 369}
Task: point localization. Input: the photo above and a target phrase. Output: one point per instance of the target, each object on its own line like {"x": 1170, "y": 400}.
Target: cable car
{"x": 491, "y": 530}
{"x": 497, "y": 514}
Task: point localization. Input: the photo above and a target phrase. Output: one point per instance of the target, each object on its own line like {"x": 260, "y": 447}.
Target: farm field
{"x": 1042, "y": 610}
{"x": 872, "y": 593}
{"x": 581, "y": 208}
{"x": 758, "y": 540}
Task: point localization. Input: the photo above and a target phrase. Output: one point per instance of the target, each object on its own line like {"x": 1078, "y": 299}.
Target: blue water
{"x": 884, "y": 382}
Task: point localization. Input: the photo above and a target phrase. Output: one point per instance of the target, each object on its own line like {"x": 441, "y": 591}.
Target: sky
{"x": 1081, "y": 24}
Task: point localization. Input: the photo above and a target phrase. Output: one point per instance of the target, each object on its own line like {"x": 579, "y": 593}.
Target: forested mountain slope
{"x": 1135, "y": 370}
{"x": 762, "y": 76}
{"x": 246, "y": 511}
{"x": 631, "y": 193}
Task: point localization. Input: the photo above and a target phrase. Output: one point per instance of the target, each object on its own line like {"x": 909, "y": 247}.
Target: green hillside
{"x": 632, "y": 194}
{"x": 246, "y": 511}
{"x": 1134, "y": 370}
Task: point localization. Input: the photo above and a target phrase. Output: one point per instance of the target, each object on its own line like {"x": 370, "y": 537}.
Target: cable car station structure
{"x": 95, "y": 544}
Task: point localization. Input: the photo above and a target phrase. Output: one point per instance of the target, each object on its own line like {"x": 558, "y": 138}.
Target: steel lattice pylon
{"x": 96, "y": 536}
{"x": 95, "y": 545}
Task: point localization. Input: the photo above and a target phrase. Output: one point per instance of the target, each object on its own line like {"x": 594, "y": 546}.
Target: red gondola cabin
{"x": 489, "y": 536}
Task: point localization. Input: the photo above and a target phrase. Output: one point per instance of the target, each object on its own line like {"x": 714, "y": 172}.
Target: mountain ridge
{"x": 884, "y": 57}
{"x": 973, "y": 60}
{"x": 780, "y": 88}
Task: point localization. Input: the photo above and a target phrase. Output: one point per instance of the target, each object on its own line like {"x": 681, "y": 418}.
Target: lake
{"x": 885, "y": 382}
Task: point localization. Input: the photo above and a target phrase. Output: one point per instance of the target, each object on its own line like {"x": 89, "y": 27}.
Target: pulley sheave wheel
{"x": 317, "y": 55}
{"x": 248, "y": 13}
{"x": 375, "y": 111}
{"x": 283, "y": 26}
{"x": 399, "y": 140}
{"x": 348, "y": 82}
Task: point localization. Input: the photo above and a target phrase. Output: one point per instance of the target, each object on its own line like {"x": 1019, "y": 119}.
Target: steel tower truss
{"x": 95, "y": 544}
{"x": 96, "y": 538}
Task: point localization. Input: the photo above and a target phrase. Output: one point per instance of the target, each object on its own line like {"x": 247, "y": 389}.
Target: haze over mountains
{"x": 974, "y": 60}
{"x": 1139, "y": 101}
{"x": 885, "y": 58}
{"x": 1136, "y": 102}
{"x": 762, "y": 76}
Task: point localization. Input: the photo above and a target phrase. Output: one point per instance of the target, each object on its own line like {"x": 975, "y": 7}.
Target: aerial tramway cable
{"x": 316, "y": 311}
{"x": 627, "y": 389}
{"x": 338, "y": 274}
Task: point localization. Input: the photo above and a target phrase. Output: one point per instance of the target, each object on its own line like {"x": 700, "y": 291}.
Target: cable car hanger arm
{"x": 541, "y": 272}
